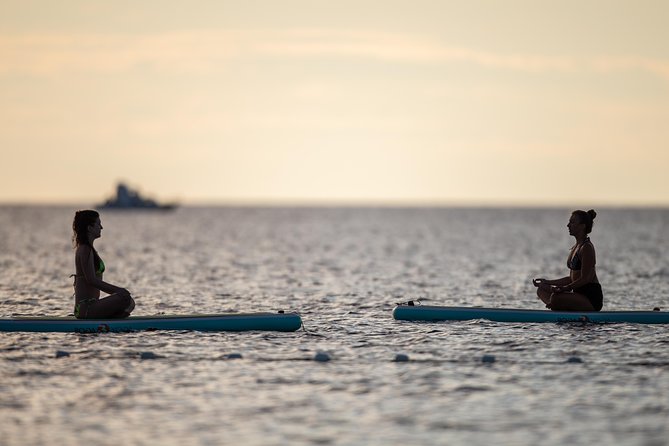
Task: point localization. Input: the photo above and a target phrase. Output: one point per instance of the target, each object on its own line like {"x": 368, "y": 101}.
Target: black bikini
{"x": 574, "y": 263}
{"x": 592, "y": 291}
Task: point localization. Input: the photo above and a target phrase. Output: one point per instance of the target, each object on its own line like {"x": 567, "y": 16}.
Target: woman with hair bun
{"x": 88, "y": 278}
{"x": 580, "y": 291}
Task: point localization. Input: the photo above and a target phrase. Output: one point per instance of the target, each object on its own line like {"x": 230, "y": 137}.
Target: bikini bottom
{"x": 593, "y": 291}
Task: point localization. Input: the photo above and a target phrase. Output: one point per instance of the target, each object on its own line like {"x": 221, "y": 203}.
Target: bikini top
{"x": 100, "y": 265}
{"x": 574, "y": 261}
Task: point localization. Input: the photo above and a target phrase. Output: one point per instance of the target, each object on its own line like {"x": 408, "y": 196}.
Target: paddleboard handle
{"x": 411, "y": 303}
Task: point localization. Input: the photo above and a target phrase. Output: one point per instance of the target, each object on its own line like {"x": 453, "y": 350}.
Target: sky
{"x": 419, "y": 102}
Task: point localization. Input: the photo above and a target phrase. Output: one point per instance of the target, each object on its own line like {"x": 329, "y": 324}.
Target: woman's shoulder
{"x": 588, "y": 246}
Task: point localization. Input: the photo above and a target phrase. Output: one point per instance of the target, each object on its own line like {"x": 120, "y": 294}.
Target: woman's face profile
{"x": 95, "y": 230}
{"x": 573, "y": 224}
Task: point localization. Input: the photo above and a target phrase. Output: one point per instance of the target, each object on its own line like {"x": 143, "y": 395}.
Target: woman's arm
{"x": 550, "y": 285}
{"x": 556, "y": 282}
{"x": 85, "y": 257}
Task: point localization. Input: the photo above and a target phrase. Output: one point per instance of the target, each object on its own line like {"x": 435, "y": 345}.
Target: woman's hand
{"x": 120, "y": 290}
{"x": 542, "y": 284}
{"x": 538, "y": 282}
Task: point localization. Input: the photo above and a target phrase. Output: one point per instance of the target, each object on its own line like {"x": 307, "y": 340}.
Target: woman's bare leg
{"x": 545, "y": 296}
{"x": 570, "y": 302}
{"x": 126, "y": 311}
{"x": 113, "y": 306}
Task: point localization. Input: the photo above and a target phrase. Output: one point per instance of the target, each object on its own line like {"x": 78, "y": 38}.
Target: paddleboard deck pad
{"x": 438, "y": 313}
{"x": 198, "y": 322}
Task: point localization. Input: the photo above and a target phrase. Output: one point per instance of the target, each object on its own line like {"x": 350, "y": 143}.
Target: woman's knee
{"x": 543, "y": 294}
{"x": 127, "y": 302}
{"x": 123, "y": 302}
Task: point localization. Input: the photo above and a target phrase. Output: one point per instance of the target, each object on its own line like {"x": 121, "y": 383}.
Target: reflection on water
{"x": 343, "y": 269}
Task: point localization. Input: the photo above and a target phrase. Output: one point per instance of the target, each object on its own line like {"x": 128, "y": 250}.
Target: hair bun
{"x": 592, "y": 214}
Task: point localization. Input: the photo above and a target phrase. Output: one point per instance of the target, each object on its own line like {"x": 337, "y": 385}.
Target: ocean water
{"x": 343, "y": 269}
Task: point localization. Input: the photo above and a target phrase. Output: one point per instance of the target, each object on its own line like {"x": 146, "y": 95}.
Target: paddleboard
{"x": 198, "y": 322}
{"x": 438, "y": 313}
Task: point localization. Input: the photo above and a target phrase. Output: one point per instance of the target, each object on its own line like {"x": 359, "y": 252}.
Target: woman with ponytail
{"x": 580, "y": 291}
{"x": 88, "y": 278}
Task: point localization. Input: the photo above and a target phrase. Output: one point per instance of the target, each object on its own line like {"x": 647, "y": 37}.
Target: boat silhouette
{"x": 127, "y": 198}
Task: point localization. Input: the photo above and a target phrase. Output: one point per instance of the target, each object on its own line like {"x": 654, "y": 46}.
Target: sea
{"x": 352, "y": 375}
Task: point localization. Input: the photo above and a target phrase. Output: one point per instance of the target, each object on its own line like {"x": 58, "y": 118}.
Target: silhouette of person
{"x": 89, "y": 270}
{"x": 580, "y": 291}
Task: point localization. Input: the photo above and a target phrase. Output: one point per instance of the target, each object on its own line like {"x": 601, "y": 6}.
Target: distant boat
{"x": 127, "y": 198}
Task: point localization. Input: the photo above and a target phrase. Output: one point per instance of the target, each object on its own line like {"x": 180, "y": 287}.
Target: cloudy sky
{"x": 309, "y": 101}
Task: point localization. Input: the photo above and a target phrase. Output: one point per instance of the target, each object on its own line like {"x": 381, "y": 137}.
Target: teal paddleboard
{"x": 200, "y": 322}
{"x": 437, "y": 313}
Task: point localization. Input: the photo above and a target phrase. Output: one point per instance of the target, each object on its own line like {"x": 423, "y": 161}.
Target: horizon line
{"x": 363, "y": 203}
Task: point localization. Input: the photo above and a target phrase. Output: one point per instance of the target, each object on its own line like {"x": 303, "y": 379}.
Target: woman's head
{"x": 84, "y": 222}
{"x": 585, "y": 218}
